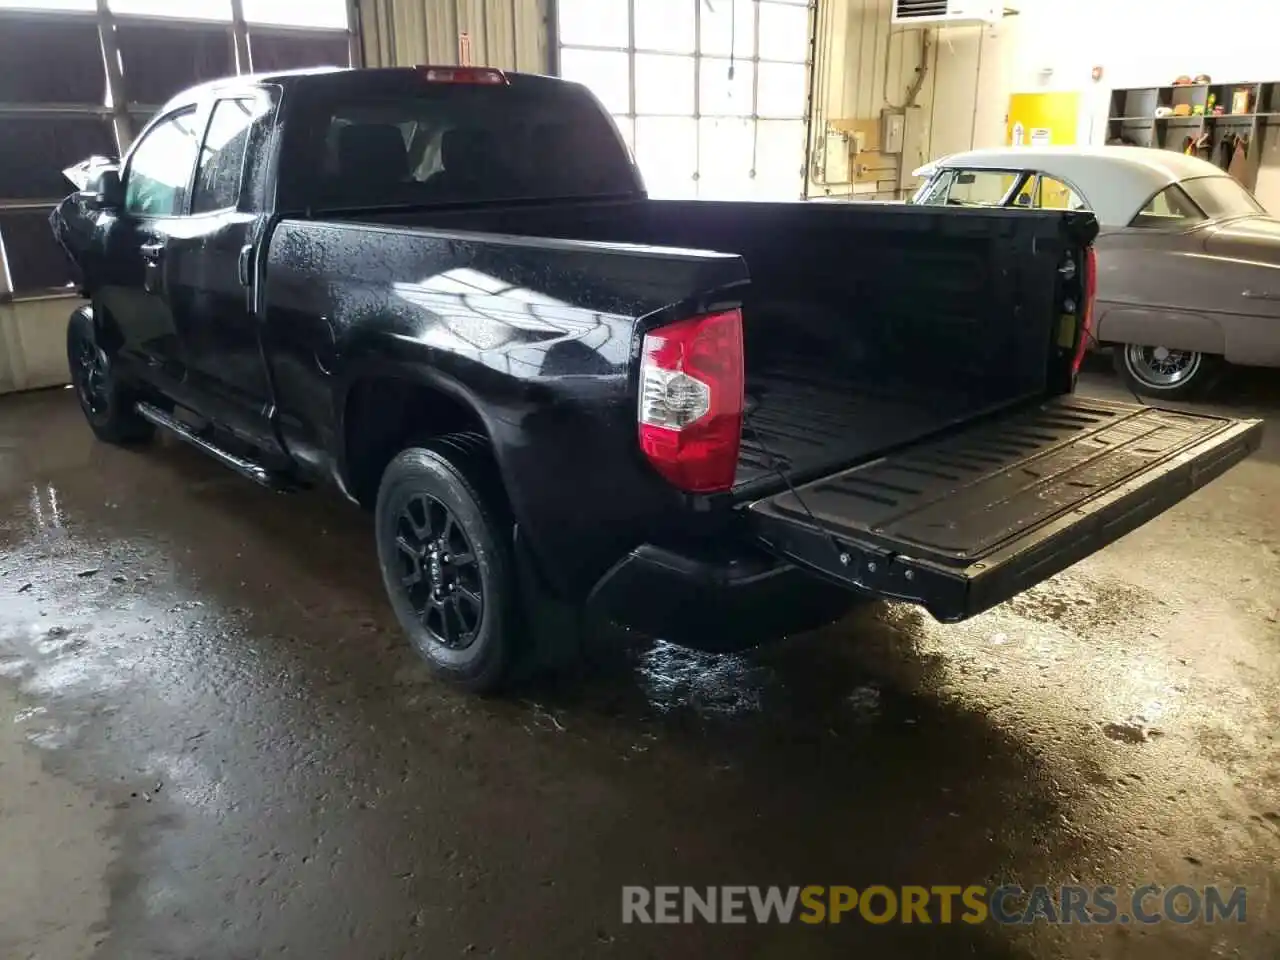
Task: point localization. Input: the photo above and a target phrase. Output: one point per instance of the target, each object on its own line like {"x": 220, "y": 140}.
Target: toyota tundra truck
{"x": 445, "y": 291}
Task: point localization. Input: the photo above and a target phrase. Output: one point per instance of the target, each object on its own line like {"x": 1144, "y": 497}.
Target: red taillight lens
{"x": 481, "y": 75}
{"x": 1090, "y": 294}
{"x": 691, "y": 383}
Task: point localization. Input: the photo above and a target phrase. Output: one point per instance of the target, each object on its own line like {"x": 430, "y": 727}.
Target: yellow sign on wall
{"x": 1041, "y": 119}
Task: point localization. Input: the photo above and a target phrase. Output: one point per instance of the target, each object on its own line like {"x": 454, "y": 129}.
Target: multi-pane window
{"x": 710, "y": 95}
{"x": 56, "y": 107}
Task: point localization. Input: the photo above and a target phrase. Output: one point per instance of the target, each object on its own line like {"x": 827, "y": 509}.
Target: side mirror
{"x": 106, "y": 193}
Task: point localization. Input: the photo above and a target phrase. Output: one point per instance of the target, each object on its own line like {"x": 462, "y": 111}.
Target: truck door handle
{"x": 245, "y": 262}
{"x": 152, "y": 278}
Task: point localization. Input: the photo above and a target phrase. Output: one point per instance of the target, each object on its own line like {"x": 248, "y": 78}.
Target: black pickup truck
{"x": 445, "y": 290}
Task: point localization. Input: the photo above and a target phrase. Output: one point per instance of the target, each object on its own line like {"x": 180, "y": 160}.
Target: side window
{"x": 1056, "y": 195}
{"x": 1168, "y": 209}
{"x": 160, "y": 168}
{"x": 980, "y": 188}
{"x": 222, "y": 157}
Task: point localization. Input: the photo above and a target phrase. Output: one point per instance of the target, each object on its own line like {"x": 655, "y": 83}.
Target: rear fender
{"x": 1155, "y": 327}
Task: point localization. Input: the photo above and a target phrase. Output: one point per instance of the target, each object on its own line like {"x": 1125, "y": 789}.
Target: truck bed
{"x": 803, "y": 423}
{"x": 865, "y": 326}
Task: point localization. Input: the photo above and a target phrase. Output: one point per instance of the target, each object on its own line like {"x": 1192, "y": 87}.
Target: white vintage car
{"x": 1188, "y": 260}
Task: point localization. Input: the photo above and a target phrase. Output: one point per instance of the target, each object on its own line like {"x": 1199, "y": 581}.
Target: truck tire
{"x": 106, "y": 404}
{"x": 1167, "y": 374}
{"x": 445, "y": 549}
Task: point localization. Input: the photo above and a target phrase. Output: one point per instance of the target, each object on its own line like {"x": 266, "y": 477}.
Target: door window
{"x": 967, "y": 188}
{"x": 222, "y": 156}
{"x": 160, "y": 168}
{"x": 980, "y": 188}
{"x": 1046, "y": 193}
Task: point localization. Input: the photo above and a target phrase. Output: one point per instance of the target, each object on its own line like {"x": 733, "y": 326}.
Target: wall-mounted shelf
{"x": 1131, "y": 118}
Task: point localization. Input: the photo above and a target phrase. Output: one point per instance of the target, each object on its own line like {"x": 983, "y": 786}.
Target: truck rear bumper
{"x": 717, "y": 603}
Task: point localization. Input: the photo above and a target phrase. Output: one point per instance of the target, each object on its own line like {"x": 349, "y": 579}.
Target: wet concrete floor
{"x": 214, "y": 744}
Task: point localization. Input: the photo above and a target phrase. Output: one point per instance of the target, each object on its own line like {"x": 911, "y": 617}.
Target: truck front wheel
{"x": 444, "y": 545}
{"x": 106, "y": 404}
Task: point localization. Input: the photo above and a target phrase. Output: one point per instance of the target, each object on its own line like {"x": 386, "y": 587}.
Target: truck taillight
{"x": 1086, "y": 313}
{"x": 691, "y": 383}
{"x": 485, "y": 76}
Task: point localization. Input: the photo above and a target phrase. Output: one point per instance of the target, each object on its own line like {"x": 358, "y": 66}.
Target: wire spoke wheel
{"x": 439, "y": 571}
{"x": 1161, "y": 367}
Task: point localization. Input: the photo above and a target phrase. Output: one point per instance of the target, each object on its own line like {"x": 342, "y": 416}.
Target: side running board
{"x": 246, "y": 468}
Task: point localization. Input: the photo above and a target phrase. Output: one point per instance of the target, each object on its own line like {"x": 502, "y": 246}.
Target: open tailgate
{"x": 961, "y": 523}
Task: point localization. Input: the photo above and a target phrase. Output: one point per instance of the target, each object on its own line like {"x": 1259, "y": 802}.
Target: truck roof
{"x": 356, "y": 76}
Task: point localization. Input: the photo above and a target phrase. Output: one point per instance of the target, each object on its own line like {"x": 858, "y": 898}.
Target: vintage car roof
{"x": 1116, "y": 182}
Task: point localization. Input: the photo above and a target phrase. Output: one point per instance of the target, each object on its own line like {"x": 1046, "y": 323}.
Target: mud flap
{"x": 961, "y": 523}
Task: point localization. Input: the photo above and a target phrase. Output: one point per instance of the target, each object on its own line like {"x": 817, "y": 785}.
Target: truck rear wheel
{"x": 444, "y": 545}
{"x": 106, "y": 404}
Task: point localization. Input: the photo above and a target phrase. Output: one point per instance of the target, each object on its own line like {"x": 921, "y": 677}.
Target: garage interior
{"x": 220, "y": 744}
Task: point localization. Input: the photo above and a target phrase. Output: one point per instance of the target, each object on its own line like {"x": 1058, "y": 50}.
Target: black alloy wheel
{"x": 89, "y": 373}
{"x": 107, "y": 405}
{"x": 440, "y": 571}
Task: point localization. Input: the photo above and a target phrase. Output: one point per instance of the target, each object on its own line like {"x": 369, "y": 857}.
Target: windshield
{"x": 1222, "y": 197}
{"x": 451, "y": 143}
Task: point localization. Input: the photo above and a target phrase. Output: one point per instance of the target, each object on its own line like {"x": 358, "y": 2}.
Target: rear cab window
{"x": 414, "y": 141}
{"x": 1170, "y": 209}
{"x": 232, "y": 143}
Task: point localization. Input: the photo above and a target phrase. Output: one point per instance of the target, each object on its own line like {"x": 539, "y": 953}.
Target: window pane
{"x": 156, "y": 182}
{"x": 455, "y": 143}
{"x": 666, "y": 150}
{"x": 43, "y": 61}
{"x": 1222, "y": 197}
{"x": 267, "y": 52}
{"x": 187, "y": 9}
{"x": 36, "y": 261}
{"x": 725, "y": 149}
{"x": 779, "y": 159}
{"x": 50, "y": 4}
{"x": 217, "y": 185}
{"x": 1169, "y": 208}
{"x": 934, "y": 192}
{"x": 784, "y": 32}
{"x": 605, "y": 74}
{"x": 1056, "y": 195}
{"x": 298, "y": 13}
{"x": 781, "y": 90}
{"x": 980, "y": 188}
{"x": 722, "y": 96}
{"x": 723, "y": 21}
{"x": 665, "y": 25}
{"x": 664, "y": 84}
{"x": 162, "y": 59}
{"x": 35, "y": 150}
{"x": 600, "y": 23}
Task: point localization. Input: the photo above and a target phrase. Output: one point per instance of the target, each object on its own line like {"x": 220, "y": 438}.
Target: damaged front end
{"x": 77, "y": 222}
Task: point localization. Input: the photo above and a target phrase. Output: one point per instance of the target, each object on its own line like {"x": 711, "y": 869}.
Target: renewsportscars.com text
{"x": 943, "y": 904}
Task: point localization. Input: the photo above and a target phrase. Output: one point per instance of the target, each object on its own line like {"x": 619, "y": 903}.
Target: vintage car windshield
{"x": 1222, "y": 197}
